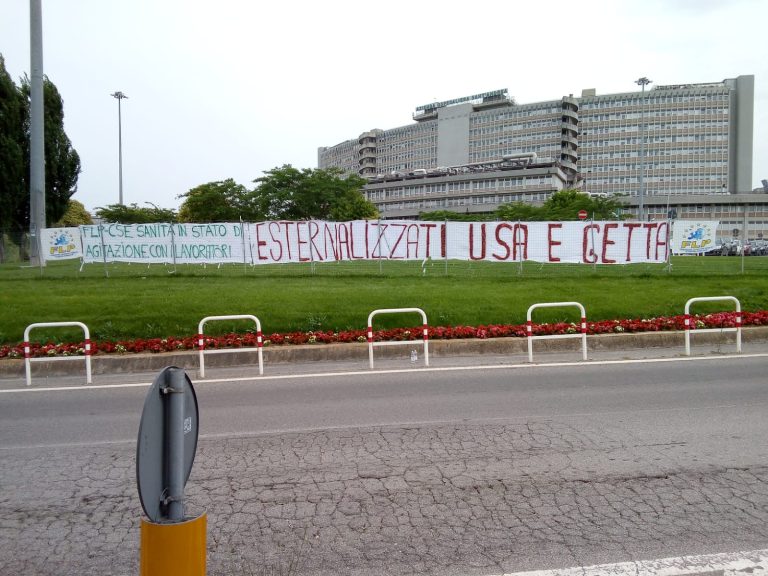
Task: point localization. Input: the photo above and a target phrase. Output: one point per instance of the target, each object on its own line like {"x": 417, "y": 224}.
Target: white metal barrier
{"x": 425, "y": 333}
{"x": 582, "y": 334}
{"x": 201, "y": 341}
{"x": 28, "y": 350}
{"x": 689, "y": 326}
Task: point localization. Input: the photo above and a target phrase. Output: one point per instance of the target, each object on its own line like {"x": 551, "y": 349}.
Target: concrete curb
{"x": 188, "y": 359}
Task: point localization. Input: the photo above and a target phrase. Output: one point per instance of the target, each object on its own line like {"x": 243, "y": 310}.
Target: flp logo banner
{"x": 693, "y": 236}
{"x": 60, "y": 243}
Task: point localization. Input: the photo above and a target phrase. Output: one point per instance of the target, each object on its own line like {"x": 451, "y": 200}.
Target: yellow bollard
{"x": 173, "y": 549}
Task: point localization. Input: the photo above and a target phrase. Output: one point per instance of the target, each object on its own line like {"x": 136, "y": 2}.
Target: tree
{"x": 438, "y": 215}
{"x": 74, "y": 215}
{"x": 287, "y": 193}
{"x": 12, "y": 149}
{"x": 223, "y": 201}
{"x": 564, "y": 205}
{"x": 134, "y": 214}
{"x": 520, "y": 211}
{"x": 62, "y": 162}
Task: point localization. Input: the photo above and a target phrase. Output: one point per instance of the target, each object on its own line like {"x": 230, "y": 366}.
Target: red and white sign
{"x": 582, "y": 214}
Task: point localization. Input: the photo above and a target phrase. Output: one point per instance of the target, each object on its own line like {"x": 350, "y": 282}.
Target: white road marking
{"x": 754, "y": 563}
{"x": 526, "y": 366}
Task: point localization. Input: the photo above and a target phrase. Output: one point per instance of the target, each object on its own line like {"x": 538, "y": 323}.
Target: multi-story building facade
{"x": 473, "y": 188}
{"x": 683, "y": 141}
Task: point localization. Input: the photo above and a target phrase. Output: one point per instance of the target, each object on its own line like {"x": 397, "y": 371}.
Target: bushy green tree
{"x": 62, "y": 162}
{"x": 13, "y": 195}
{"x": 563, "y": 205}
{"x": 74, "y": 215}
{"x": 223, "y": 201}
{"x": 519, "y": 211}
{"x": 135, "y": 214}
{"x": 292, "y": 194}
{"x": 438, "y": 215}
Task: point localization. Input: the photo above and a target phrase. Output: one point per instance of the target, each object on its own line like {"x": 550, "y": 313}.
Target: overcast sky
{"x": 231, "y": 88}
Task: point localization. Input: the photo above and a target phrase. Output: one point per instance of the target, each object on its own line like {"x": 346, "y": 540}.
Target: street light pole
{"x": 120, "y": 96}
{"x": 641, "y": 192}
{"x": 36, "y": 134}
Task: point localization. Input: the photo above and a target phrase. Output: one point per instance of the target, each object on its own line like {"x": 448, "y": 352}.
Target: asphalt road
{"x": 478, "y": 471}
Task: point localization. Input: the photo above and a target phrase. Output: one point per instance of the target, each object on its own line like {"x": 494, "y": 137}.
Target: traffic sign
{"x": 582, "y": 214}
{"x": 167, "y": 444}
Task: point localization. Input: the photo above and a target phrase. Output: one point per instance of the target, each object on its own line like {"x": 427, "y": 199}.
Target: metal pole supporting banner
{"x": 103, "y": 251}
{"x": 173, "y": 244}
{"x": 744, "y": 239}
{"x": 242, "y": 235}
{"x": 520, "y": 247}
{"x": 594, "y": 248}
{"x": 445, "y": 240}
{"x": 378, "y": 234}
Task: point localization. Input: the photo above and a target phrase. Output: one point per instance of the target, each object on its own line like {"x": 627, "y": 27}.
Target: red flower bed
{"x": 248, "y": 339}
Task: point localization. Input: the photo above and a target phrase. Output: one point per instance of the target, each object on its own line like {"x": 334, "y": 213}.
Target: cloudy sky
{"x": 231, "y": 88}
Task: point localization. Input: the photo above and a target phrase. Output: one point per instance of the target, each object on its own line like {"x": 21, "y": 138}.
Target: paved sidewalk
{"x": 461, "y": 500}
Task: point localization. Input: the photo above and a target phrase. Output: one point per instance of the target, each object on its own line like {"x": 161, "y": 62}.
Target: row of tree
{"x": 562, "y": 205}
{"x": 290, "y": 194}
{"x": 284, "y": 193}
{"x": 62, "y": 163}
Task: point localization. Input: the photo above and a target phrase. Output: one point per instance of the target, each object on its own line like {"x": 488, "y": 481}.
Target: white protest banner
{"x": 279, "y": 242}
{"x": 693, "y": 236}
{"x": 569, "y": 242}
{"x": 163, "y": 243}
{"x": 209, "y": 243}
{"x": 320, "y": 241}
{"x": 60, "y": 243}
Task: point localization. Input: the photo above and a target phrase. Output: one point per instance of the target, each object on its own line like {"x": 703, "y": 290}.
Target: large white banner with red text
{"x": 279, "y": 242}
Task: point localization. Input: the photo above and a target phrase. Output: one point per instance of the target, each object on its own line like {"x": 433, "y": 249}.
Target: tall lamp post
{"x": 119, "y": 95}
{"x": 641, "y": 191}
{"x": 36, "y": 135}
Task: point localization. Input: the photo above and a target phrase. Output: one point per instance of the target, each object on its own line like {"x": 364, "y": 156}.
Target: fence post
{"x": 582, "y": 327}
{"x": 87, "y": 348}
{"x": 201, "y": 340}
{"x": 689, "y": 321}
{"x": 424, "y": 333}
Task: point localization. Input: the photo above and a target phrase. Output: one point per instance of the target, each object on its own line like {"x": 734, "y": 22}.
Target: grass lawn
{"x": 158, "y": 301}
